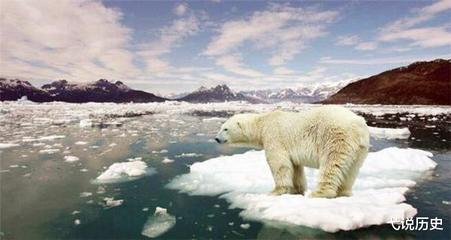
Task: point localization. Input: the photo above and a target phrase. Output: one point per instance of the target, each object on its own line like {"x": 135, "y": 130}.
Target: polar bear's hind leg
{"x": 346, "y": 187}
{"x": 335, "y": 166}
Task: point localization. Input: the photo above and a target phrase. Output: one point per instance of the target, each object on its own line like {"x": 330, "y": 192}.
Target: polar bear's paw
{"x": 323, "y": 194}
{"x": 283, "y": 190}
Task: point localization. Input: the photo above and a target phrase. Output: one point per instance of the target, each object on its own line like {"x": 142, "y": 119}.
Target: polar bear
{"x": 330, "y": 138}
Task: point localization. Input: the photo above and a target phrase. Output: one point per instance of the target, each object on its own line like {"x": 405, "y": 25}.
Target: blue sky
{"x": 177, "y": 46}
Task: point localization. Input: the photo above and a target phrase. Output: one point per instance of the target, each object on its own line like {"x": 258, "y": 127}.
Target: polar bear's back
{"x": 306, "y": 134}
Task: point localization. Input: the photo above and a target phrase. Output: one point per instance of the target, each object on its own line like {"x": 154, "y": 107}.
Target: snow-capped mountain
{"x": 220, "y": 93}
{"x": 14, "y": 89}
{"x": 99, "y": 91}
{"x": 306, "y": 94}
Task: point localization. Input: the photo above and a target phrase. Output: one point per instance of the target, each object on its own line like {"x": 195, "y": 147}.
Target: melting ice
{"x": 245, "y": 181}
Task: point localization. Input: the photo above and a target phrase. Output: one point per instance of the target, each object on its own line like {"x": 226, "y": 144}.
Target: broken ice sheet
{"x": 245, "y": 180}
{"x": 124, "y": 171}
{"x": 110, "y": 202}
{"x": 157, "y": 224}
{"x": 389, "y": 133}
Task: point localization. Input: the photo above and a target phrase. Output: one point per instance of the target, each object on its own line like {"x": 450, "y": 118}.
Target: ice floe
{"x": 245, "y": 180}
{"x": 124, "y": 171}
{"x": 110, "y": 202}
{"x": 188, "y": 155}
{"x": 49, "y": 151}
{"x": 389, "y": 133}
{"x": 8, "y": 145}
{"x": 157, "y": 224}
{"x": 71, "y": 158}
{"x": 167, "y": 160}
{"x": 45, "y": 138}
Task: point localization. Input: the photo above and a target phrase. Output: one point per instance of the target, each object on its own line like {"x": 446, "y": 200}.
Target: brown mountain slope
{"x": 427, "y": 83}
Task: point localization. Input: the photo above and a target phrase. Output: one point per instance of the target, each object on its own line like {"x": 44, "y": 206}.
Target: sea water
{"x": 51, "y": 155}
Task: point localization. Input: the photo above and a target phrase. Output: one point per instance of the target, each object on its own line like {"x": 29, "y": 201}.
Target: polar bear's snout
{"x": 221, "y": 137}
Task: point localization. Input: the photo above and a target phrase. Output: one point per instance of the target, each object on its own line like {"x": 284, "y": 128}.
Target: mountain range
{"x": 305, "y": 94}
{"x": 421, "y": 83}
{"x": 98, "y": 91}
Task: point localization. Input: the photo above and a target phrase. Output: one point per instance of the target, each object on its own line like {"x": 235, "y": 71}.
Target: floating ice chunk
{"x": 85, "y": 194}
{"x": 389, "y": 133}
{"x": 45, "y": 138}
{"x": 245, "y": 180}
{"x": 71, "y": 158}
{"x": 86, "y": 123}
{"x": 167, "y": 160}
{"x": 157, "y": 224}
{"x": 77, "y": 222}
{"x": 81, "y": 143}
{"x": 109, "y": 202}
{"x": 213, "y": 119}
{"x": 8, "y": 145}
{"x": 188, "y": 155}
{"x": 49, "y": 151}
{"x": 124, "y": 171}
{"x": 245, "y": 226}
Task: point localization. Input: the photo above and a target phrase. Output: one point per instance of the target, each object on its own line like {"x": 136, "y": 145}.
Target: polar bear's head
{"x": 238, "y": 130}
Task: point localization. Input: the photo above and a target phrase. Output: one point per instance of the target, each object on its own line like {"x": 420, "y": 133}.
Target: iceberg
{"x": 245, "y": 181}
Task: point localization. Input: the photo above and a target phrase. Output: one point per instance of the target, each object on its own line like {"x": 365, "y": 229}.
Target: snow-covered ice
{"x": 8, "y": 145}
{"x": 110, "y": 202}
{"x": 71, "y": 158}
{"x": 49, "y": 150}
{"x": 124, "y": 171}
{"x": 157, "y": 224}
{"x": 245, "y": 181}
{"x": 167, "y": 160}
{"x": 188, "y": 155}
{"x": 389, "y": 133}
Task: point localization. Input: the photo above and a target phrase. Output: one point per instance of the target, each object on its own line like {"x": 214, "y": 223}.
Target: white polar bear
{"x": 330, "y": 138}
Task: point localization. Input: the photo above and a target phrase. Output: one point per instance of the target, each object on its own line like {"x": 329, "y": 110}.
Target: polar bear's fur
{"x": 330, "y": 138}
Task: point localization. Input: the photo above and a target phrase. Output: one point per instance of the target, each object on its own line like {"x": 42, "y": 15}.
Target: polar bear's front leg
{"x": 282, "y": 171}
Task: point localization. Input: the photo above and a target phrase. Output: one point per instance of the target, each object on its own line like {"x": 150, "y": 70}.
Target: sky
{"x": 177, "y": 46}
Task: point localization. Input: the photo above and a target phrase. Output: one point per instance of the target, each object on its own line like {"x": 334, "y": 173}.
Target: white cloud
{"x": 348, "y": 40}
{"x": 181, "y": 9}
{"x": 424, "y": 37}
{"x": 281, "y": 29}
{"x": 404, "y": 29}
{"x": 356, "y": 42}
{"x": 283, "y": 71}
{"x": 382, "y": 61}
{"x": 76, "y": 40}
{"x": 233, "y": 64}
{"x": 169, "y": 38}
{"x": 366, "y": 46}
